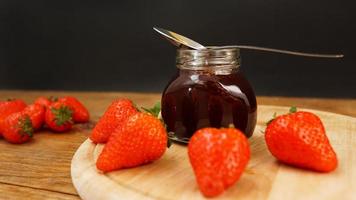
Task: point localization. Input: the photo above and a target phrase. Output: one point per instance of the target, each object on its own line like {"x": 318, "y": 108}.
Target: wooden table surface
{"x": 40, "y": 169}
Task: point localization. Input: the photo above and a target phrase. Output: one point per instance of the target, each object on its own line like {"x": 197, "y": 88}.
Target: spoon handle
{"x": 296, "y": 53}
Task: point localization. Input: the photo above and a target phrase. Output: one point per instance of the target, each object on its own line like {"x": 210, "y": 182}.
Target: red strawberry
{"x": 43, "y": 101}
{"x": 9, "y": 107}
{"x": 218, "y": 158}
{"x": 115, "y": 115}
{"x": 59, "y": 117}
{"x": 81, "y": 114}
{"x": 37, "y": 115}
{"x": 299, "y": 139}
{"x": 17, "y": 128}
{"x": 141, "y": 140}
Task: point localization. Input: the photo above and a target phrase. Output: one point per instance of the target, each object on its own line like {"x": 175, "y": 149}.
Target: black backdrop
{"x": 110, "y": 45}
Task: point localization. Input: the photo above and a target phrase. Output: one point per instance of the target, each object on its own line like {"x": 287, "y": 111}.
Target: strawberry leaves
{"x": 62, "y": 115}
{"x": 154, "y": 110}
{"x": 25, "y": 125}
{"x": 292, "y": 109}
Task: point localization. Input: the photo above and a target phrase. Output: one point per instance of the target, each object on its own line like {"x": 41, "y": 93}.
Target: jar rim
{"x": 212, "y": 56}
{"x": 211, "y": 49}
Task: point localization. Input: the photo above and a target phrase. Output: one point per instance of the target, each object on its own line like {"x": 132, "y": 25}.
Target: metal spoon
{"x": 180, "y": 40}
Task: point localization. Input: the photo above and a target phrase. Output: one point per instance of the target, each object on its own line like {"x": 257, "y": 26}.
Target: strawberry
{"x": 80, "y": 114}
{"x": 17, "y": 128}
{"x": 115, "y": 115}
{"x": 37, "y": 115}
{"x": 9, "y": 107}
{"x": 299, "y": 139}
{"x": 218, "y": 158}
{"x": 141, "y": 140}
{"x": 58, "y": 117}
{"x": 44, "y": 101}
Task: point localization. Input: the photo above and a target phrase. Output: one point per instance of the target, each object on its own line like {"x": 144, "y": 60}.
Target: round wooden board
{"x": 171, "y": 177}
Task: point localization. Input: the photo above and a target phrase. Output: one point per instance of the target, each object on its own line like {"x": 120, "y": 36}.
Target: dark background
{"x": 110, "y": 45}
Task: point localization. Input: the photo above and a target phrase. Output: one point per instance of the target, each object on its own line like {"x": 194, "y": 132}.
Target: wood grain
{"x": 16, "y": 192}
{"x": 44, "y": 164}
{"x": 171, "y": 177}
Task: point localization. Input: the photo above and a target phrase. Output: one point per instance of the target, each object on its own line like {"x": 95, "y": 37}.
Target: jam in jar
{"x": 208, "y": 90}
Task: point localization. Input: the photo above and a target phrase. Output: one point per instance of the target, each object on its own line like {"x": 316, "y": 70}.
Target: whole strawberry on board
{"x": 299, "y": 139}
{"x": 142, "y": 139}
{"x": 218, "y": 158}
{"x": 9, "y": 107}
{"x": 115, "y": 115}
{"x": 59, "y": 117}
{"x": 17, "y": 128}
{"x": 37, "y": 115}
{"x": 80, "y": 112}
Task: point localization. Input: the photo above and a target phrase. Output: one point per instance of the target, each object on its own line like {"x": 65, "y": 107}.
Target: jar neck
{"x": 213, "y": 59}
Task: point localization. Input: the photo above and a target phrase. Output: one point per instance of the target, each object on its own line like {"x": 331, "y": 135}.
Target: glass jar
{"x": 208, "y": 90}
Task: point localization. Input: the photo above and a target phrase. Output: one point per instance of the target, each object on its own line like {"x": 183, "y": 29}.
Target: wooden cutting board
{"x": 171, "y": 177}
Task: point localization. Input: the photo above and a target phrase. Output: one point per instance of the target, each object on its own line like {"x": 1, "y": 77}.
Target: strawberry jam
{"x": 208, "y": 90}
